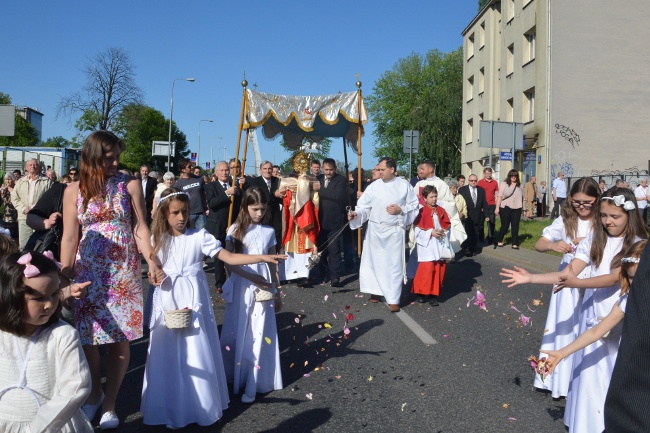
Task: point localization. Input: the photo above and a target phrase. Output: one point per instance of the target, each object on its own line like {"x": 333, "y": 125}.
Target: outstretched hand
{"x": 274, "y": 258}
{"x": 515, "y": 277}
{"x": 553, "y": 359}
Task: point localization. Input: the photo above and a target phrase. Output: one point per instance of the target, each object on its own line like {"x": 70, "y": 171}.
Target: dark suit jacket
{"x": 219, "y": 207}
{"x": 149, "y": 191}
{"x": 332, "y": 202}
{"x": 627, "y": 407}
{"x": 474, "y": 213}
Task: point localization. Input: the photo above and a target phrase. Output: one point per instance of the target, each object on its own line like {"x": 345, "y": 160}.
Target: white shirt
{"x": 639, "y": 192}
{"x": 560, "y": 188}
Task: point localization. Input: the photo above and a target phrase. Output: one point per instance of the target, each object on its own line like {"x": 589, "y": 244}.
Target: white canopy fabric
{"x": 298, "y": 116}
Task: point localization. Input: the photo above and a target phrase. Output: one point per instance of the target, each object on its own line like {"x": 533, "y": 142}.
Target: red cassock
{"x": 430, "y": 275}
{"x": 307, "y": 221}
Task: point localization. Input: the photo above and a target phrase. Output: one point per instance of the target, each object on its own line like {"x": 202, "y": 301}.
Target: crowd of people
{"x": 260, "y": 232}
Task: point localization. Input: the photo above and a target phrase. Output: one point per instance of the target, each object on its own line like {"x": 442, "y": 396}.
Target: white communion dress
{"x": 249, "y": 336}
{"x": 44, "y": 381}
{"x": 563, "y": 313}
{"x": 184, "y": 380}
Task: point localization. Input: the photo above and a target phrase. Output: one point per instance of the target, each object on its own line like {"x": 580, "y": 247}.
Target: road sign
{"x": 505, "y": 156}
{"x": 411, "y": 141}
{"x": 207, "y": 165}
{"x": 161, "y": 148}
{"x": 493, "y": 134}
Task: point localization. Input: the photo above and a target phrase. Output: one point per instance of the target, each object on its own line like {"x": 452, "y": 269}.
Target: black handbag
{"x": 48, "y": 240}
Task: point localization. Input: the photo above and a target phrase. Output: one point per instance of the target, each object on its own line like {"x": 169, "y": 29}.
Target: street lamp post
{"x": 198, "y": 153}
{"x": 171, "y": 111}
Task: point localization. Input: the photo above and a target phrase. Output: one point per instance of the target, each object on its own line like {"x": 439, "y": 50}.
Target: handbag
{"x": 47, "y": 240}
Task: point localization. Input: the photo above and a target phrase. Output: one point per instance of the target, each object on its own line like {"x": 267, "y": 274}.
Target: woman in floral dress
{"x": 109, "y": 206}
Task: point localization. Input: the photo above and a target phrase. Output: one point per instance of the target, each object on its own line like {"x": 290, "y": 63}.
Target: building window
{"x": 528, "y": 111}
{"x": 481, "y": 36}
{"x": 511, "y": 10}
{"x": 529, "y": 46}
{"x": 469, "y": 131}
{"x": 510, "y": 56}
{"x": 470, "y": 46}
{"x": 481, "y": 81}
{"x": 510, "y": 110}
{"x": 470, "y": 88}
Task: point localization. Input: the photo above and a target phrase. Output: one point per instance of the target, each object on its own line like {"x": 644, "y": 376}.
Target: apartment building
{"x": 572, "y": 72}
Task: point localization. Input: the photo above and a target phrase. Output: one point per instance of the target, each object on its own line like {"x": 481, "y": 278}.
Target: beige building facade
{"x": 573, "y": 73}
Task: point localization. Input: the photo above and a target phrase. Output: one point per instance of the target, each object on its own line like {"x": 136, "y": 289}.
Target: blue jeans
{"x": 199, "y": 220}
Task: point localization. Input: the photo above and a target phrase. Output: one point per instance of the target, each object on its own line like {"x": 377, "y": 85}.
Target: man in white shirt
{"x": 148, "y": 189}
{"x": 559, "y": 194}
{"x": 641, "y": 194}
{"x": 389, "y": 204}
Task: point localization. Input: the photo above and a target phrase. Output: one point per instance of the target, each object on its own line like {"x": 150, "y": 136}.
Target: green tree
{"x": 422, "y": 93}
{"x": 482, "y": 3}
{"x": 110, "y": 86}
{"x": 140, "y": 125}
{"x": 58, "y": 142}
{"x": 287, "y": 165}
{"x": 25, "y": 135}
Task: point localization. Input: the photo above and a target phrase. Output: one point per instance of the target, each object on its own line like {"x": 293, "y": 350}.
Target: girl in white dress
{"x": 44, "y": 376}
{"x": 249, "y": 337}
{"x": 578, "y": 216}
{"x": 629, "y": 264}
{"x": 184, "y": 380}
{"x": 602, "y": 251}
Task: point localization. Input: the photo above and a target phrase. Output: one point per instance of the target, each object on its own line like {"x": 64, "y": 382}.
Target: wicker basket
{"x": 178, "y": 319}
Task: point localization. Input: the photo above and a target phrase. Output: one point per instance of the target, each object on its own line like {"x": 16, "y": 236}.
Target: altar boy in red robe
{"x": 431, "y": 227}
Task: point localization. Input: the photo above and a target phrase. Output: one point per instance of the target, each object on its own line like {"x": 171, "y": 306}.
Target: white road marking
{"x": 419, "y": 332}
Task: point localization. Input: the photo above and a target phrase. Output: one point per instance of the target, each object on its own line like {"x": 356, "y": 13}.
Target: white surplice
{"x": 382, "y": 262}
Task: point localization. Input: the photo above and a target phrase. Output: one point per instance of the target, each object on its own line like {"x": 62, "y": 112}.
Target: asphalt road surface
{"x": 451, "y": 368}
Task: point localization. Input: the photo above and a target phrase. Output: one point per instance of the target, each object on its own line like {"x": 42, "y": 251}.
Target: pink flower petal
{"x": 228, "y": 348}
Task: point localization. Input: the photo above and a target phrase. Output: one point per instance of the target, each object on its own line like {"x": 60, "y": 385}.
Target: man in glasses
{"x": 559, "y": 194}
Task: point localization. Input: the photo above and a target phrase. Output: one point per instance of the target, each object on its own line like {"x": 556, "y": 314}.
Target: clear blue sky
{"x": 301, "y": 48}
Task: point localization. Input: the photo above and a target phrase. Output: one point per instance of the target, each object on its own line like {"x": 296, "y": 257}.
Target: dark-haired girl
{"x": 510, "y": 202}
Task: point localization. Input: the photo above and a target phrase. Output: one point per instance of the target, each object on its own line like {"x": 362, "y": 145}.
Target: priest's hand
{"x": 393, "y": 209}
{"x": 351, "y": 216}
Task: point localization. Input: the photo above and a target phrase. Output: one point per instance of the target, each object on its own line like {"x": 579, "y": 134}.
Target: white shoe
{"x": 245, "y": 398}
{"x": 109, "y": 421}
{"x": 90, "y": 410}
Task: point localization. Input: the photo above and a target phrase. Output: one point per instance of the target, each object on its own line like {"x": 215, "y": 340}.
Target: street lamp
{"x": 171, "y": 111}
{"x": 198, "y": 152}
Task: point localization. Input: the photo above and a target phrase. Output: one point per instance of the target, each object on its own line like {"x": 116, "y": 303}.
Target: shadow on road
{"x": 306, "y": 421}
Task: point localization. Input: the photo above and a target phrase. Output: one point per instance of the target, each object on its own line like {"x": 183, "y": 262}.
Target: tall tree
{"x": 422, "y": 93}
{"x": 110, "y": 86}
{"x": 25, "y": 135}
{"x": 140, "y": 126}
{"x": 58, "y": 142}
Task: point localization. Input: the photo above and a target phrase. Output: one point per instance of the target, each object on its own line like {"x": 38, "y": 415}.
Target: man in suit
{"x": 218, "y": 195}
{"x": 149, "y": 189}
{"x": 334, "y": 197}
{"x": 269, "y": 185}
{"x": 477, "y": 208}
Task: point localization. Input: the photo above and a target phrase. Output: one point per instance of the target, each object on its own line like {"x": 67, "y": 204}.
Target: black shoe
{"x": 433, "y": 301}
{"x": 336, "y": 283}
{"x": 470, "y": 254}
{"x": 421, "y": 299}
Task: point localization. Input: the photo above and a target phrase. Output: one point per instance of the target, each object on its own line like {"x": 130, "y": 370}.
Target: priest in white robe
{"x": 389, "y": 206}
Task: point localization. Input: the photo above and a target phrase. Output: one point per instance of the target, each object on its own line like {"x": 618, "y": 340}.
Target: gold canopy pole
{"x": 359, "y": 173}
{"x": 244, "y": 83}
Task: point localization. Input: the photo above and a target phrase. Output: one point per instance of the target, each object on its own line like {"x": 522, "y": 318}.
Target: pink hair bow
{"x": 50, "y": 256}
{"x": 30, "y": 270}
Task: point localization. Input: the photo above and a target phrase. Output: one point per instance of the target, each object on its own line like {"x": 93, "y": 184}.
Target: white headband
{"x": 630, "y": 260}
{"x": 173, "y": 194}
{"x": 619, "y": 200}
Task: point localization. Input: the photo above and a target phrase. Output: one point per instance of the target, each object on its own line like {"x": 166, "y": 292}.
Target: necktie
{"x": 474, "y": 196}
{"x": 268, "y": 184}
{"x": 225, "y": 185}
{"x": 327, "y": 182}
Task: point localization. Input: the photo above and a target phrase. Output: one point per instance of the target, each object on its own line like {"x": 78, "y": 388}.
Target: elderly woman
{"x": 168, "y": 181}
{"x": 10, "y": 215}
{"x": 460, "y": 201}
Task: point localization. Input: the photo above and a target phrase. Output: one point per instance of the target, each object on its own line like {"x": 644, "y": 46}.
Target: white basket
{"x": 178, "y": 319}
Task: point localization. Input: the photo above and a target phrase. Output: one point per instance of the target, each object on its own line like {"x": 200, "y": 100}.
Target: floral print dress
{"x": 108, "y": 256}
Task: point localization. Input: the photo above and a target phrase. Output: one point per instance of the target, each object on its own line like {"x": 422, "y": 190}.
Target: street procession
{"x": 441, "y": 229}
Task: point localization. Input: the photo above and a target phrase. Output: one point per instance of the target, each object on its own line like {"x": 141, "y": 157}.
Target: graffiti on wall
{"x": 568, "y": 134}
{"x": 633, "y": 175}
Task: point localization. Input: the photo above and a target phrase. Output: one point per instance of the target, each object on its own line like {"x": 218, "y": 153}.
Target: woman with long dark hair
{"x": 509, "y": 203}
{"x": 110, "y": 209}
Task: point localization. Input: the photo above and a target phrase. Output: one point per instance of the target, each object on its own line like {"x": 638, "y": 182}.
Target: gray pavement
{"x": 382, "y": 377}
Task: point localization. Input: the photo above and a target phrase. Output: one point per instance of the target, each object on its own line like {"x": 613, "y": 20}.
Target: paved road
{"x": 382, "y": 377}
